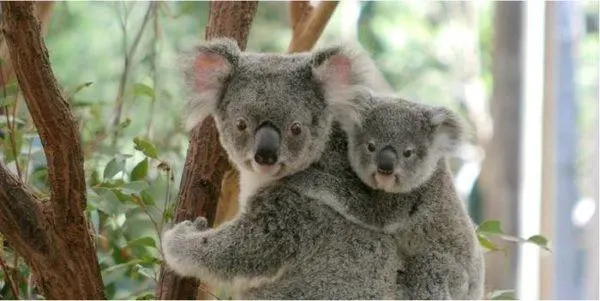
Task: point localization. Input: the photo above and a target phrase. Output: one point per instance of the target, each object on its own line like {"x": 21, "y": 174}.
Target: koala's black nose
{"x": 266, "y": 142}
{"x": 386, "y": 160}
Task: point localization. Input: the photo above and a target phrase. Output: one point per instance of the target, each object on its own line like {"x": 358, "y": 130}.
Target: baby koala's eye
{"x": 407, "y": 153}
{"x": 240, "y": 124}
{"x": 371, "y": 147}
{"x": 296, "y": 129}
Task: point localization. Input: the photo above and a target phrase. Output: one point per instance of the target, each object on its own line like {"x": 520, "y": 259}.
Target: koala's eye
{"x": 407, "y": 153}
{"x": 296, "y": 129}
{"x": 240, "y": 124}
{"x": 371, "y": 147}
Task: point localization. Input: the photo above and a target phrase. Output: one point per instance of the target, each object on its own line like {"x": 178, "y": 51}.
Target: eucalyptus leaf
{"x": 140, "y": 171}
{"x": 113, "y": 167}
{"x": 491, "y": 226}
{"x": 140, "y": 89}
{"x": 145, "y": 147}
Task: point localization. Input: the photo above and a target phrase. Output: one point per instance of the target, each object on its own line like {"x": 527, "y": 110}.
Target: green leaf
{"x": 10, "y": 149}
{"x": 146, "y": 241}
{"x": 486, "y": 242}
{"x": 491, "y": 226}
{"x": 140, "y": 89}
{"x": 106, "y": 201}
{"x": 145, "y": 147}
{"x": 140, "y": 171}
{"x": 147, "y": 198}
{"x": 135, "y": 187}
{"x": 120, "y": 266}
{"x": 539, "y": 240}
{"x": 503, "y": 295}
{"x": 78, "y": 88}
{"x": 144, "y": 296}
{"x": 113, "y": 167}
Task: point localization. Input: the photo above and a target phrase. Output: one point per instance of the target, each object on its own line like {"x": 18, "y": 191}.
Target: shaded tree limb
{"x": 53, "y": 236}
{"x": 206, "y": 161}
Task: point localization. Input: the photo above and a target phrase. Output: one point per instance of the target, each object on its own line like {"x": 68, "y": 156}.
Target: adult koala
{"x": 274, "y": 116}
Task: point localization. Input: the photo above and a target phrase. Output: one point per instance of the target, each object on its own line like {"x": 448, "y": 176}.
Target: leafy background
{"x": 133, "y": 164}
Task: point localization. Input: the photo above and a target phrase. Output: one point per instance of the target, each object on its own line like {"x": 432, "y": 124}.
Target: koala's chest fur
{"x": 249, "y": 184}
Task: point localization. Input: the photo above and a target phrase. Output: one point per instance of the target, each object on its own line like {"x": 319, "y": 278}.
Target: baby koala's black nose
{"x": 386, "y": 160}
{"x": 267, "y": 142}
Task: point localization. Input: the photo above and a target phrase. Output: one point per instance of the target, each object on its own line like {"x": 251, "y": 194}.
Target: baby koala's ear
{"x": 449, "y": 130}
{"x": 351, "y": 112}
{"x": 206, "y": 72}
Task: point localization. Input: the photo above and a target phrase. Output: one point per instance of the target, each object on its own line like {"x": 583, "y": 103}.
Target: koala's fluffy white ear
{"x": 340, "y": 71}
{"x": 206, "y": 73}
{"x": 449, "y": 130}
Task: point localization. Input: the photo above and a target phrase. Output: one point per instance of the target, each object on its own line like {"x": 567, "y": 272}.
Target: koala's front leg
{"x": 255, "y": 244}
{"x": 433, "y": 276}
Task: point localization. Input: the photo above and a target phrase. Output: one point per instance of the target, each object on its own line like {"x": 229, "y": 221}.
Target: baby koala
{"x": 399, "y": 149}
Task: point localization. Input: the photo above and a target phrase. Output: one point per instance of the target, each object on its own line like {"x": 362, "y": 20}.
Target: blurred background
{"x": 525, "y": 75}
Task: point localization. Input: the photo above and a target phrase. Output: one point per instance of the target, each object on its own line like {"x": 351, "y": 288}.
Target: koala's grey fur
{"x": 283, "y": 244}
{"x": 441, "y": 255}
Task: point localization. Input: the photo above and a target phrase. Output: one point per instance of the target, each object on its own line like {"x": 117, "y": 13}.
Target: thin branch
{"x": 298, "y": 10}
{"x": 126, "y": 70}
{"x": 153, "y": 69}
{"x": 309, "y": 28}
{"x": 9, "y": 279}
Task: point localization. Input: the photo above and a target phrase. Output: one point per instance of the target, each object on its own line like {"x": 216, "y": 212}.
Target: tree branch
{"x": 52, "y": 237}
{"x": 21, "y": 217}
{"x": 308, "y": 28}
{"x": 49, "y": 111}
{"x": 206, "y": 161}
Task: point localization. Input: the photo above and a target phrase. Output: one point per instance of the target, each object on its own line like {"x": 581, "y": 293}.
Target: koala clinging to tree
{"x": 398, "y": 148}
{"x": 274, "y": 114}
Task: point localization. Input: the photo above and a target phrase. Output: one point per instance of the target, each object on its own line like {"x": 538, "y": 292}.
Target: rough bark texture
{"x": 500, "y": 171}
{"x": 206, "y": 162}
{"x": 43, "y": 11}
{"x": 53, "y": 236}
{"x": 308, "y": 23}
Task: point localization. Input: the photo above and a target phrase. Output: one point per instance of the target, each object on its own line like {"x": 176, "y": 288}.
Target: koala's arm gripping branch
{"x": 242, "y": 249}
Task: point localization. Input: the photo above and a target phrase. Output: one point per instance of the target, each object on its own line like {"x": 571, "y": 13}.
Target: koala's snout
{"x": 386, "y": 160}
{"x": 266, "y": 145}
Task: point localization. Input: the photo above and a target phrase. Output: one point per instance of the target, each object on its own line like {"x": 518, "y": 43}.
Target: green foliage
{"x": 131, "y": 165}
{"x": 492, "y": 228}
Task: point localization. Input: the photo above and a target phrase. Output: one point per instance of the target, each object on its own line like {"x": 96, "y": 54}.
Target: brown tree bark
{"x": 206, "y": 162}
{"x": 43, "y": 11}
{"x": 53, "y": 236}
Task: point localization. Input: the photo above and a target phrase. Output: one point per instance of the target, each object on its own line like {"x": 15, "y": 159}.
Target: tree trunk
{"x": 206, "y": 162}
{"x": 500, "y": 170}
{"x": 52, "y": 236}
